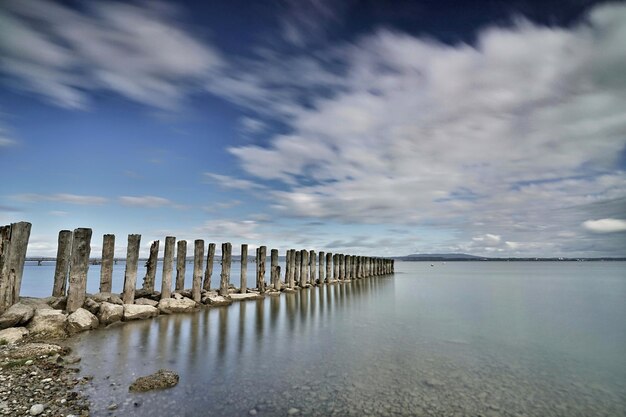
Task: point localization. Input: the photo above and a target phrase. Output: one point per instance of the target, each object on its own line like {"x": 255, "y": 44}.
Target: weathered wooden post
{"x": 393, "y": 266}
{"x": 181, "y": 268}
{"x": 106, "y": 266}
{"x": 5, "y": 243}
{"x": 15, "y": 243}
{"x": 298, "y": 267}
{"x": 79, "y": 266}
{"x": 275, "y": 271}
{"x": 244, "y": 269}
{"x": 130, "y": 274}
{"x": 225, "y": 275}
{"x": 313, "y": 263}
{"x": 260, "y": 269}
{"x": 349, "y": 267}
{"x": 306, "y": 273}
{"x": 335, "y": 267}
{"x": 341, "y": 267}
{"x": 208, "y": 272}
{"x": 151, "y": 266}
{"x": 62, "y": 267}
{"x": 292, "y": 268}
{"x": 198, "y": 262}
{"x": 321, "y": 267}
{"x": 329, "y": 262}
{"x": 168, "y": 261}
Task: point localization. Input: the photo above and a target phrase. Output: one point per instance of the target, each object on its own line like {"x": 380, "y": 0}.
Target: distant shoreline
{"x": 434, "y": 259}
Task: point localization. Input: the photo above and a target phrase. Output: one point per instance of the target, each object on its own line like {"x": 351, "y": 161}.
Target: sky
{"x": 494, "y": 128}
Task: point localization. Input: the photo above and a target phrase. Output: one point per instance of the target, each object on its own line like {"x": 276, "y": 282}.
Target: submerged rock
{"x": 161, "y": 379}
{"x": 17, "y": 314}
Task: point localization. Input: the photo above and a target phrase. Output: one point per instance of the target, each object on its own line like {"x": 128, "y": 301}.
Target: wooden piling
{"x": 198, "y": 262}
{"x": 225, "y": 275}
{"x": 151, "y": 266}
{"x": 321, "y": 268}
{"x": 181, "y": 268}
{"x": 342, "y": 271}
{"x": 106, "y": 266}
{"x": 275, "y": 270}
{"x": 168, "y": 262}
{"x": 335, "y": 267}
{"x": 260, "y": 270}
{"x": 62, "y": 266}
{"x": 208, "y": 272}
{"x": 298, "y": 267}
{"x": 12, "y": 269}
{"x": 313, "y": 266}
{"x": 79, "y": 266}
{"x": 292, "y": 269}
{"x": 306, "y": 273}
{"x": 244, "y": 269}
{"x": 329, "y": 264}
{"x": 5, "y": 243}
{"x": 130, "y": 274}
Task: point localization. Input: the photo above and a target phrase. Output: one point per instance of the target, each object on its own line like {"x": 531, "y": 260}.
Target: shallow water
{"x": 491, "y": 339}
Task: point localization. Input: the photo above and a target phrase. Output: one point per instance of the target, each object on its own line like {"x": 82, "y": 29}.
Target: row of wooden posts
{"x": 74, "y": 250}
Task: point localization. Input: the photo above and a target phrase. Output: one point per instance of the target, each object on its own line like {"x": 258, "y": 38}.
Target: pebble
{"x": 28, "y": 362}
{"x": 293, "y": 411}
{"x": 112, "y": 407}
{"x": 252, "y": 412}
{"x": 36, "y": 409}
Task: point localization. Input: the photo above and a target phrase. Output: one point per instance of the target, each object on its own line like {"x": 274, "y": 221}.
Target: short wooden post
{"x": 181, "y": 268}
{"x": 62, "y": 267}
{"x": 313, "y": 263}
{"x": 244, "y": 269}
{"x": 106, "y": 266}
{"x": 168, "y": 263}
{"x": 208, "y": 272}
{"x": 79, "y": 266}
{"x": 349, "y": 267}
{"x": 335, "y": 267}
{"x": 260, "y": 269}
{"x": 321, "y": 267}
{"x": 287, "y": 269}
{"x": 298, "y": 267}
{"x": 341, "y": 267}
{"x": 306, "y": 273}
{"x": 292, "y": 268}
{"x": 198, "y": 262}
{"x": 275, "y": 269}
{"x": 130, "y": 275}
{"x": 225, "y": 275}
{"x": 151, "y": 266}
{"x": 329, "y": 264}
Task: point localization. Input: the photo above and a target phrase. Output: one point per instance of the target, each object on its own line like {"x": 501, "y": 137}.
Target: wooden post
{"x": 130, "y": 275}
{"x": 292, "y": 268}
{"x": 198, "y": 262}
{"x": 340, "y": 258}
{"x": 12, "y": 269}
{"x": 287, "y": 269}
{"x": 181, "y": 268}
{"x": 225, "y": 275}
{"x": 151, "y": 266}
{"x": 106, "y": 267}
{"x": 244, "y": 269}
{"x": 335, "y": 267}
{"x": 5, "y": 244}
{"x": 62, "y": 267}
{"x": 306, "y": 274}
{"x": 275, "y": 271}
{"x": 321, "y": 267}
{"x": 313, "y": 263}
{"x": 168, "y": 261}
{"x": 329, "y": 264}
{"x": 260, "y": 269}
{"x": 79, "y": 266}
{"x": 298, "y": 265}
{"x": 208, "y": 272}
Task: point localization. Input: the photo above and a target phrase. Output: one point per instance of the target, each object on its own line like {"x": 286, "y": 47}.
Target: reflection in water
{"x": 379, "y": 346}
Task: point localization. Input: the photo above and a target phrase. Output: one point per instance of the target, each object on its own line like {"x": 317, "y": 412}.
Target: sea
{"x": 433, "y": 339}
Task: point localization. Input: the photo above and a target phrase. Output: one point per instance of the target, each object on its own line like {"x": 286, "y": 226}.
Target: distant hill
{"x": 441, "y": 257}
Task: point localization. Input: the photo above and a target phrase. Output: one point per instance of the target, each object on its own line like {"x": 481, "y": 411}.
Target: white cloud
{"x": 226, "y": 181}
{"x": 605, "y": 225}
{"x": 61, "y": 197}
{"x": 141, "y": 52}
{"x": 145, "y": 201}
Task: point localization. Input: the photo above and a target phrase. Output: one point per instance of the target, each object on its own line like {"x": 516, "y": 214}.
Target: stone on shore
{"x": 13, "y": 334}
{"x": 138, "y": 312}
{"x": 246, "y": 296}
{"x": 17, "y": 314}
{"x": 48, "y": 323}
{"x": 172, "y": 305}
{"x": 146, "y": 302}
{"x": 57, "y": 303}
{"x": 36, "y": 409}
{"x": 91, "y": 305}
{"x": 158, "y": 380}
{"x": 34, "y": 350}
{"x": 81, "y": 320}
{"x": 215, "y": 300}
{"x": 110, "y": 313}
{"x": 108, "y": 297}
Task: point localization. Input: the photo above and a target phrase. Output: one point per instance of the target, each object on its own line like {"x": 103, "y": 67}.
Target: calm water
{"x": 456, "y": 339}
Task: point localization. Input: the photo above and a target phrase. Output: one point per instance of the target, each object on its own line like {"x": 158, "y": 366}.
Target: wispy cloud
{"x": 605, "y": 225}
{"x": 148, "y": 201}
{"x": 61, "y": 197}
{"x": 226, "y": 181}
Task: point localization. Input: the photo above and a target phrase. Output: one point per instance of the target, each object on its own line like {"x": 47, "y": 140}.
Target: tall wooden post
{"x": 208, "y": 272}
{"x": 260, "y": 269}
{"x": 244, "y": 269}
{"x": 79, "y": 266}
{"x": 130, "y": 275}
{"x": 198, "y": 262}
{"x": 292, "y": 268}
{"x": 341, "y": 267}
{"x": 275, "y": 271}
{"x": 5, "y": 246}
{"x": 298, "y": 267}
{"x": 151, "y": 266}
{"x": 321, "y": 267}
{"x": 181, "y": 267}
{"x": 306, "y": 275}
{"x": 329, "y": 265}
{"x": 225, "y": 275}
{"x": 106, "y": 266}
{"x": 313, "y": 263}
{"x": 335, "y": 267}
{"x": 62, "y": 267}
{"x": 287, "y": 268}
{"x": 13, "y": 257}
{"x": 168, "y": 261}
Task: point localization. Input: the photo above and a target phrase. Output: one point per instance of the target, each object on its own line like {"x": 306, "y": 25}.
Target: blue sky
{"x": 380, "y": 128}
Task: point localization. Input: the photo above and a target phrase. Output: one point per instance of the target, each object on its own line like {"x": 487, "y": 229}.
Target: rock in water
{"x": 171, "y": 305}
{"x": 158, "y": 380}
{"x": 81, "y": 320}
{"x": 110, "y": 313}
{"x": 139, "y": 312}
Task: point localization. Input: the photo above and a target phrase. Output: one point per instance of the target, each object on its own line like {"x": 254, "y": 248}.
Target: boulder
{"x": 17, "y": 314}
{"x": 92, "y": 306}
{"x": 152, "y": 295}
{"x": 177, "y": 296}
{"x": 34, "y": 350}
{"x": 81, "y": 320}
{"x": 215, "y": 300}
{"x": 171, "y": 305}
{"x": 49, "y": 323}
{"x": 246, "y": 296}
{"x": 58, "y": 303}
{"x": 110, "y": 313}
{"x": 146, "y": 302}
{"x": 13, "y": 335}
{"x": 108, "y": 297}
{"x": 186, "y": 293}
{"x": 158, "y": 380}
{"x": 138, "y": 312}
